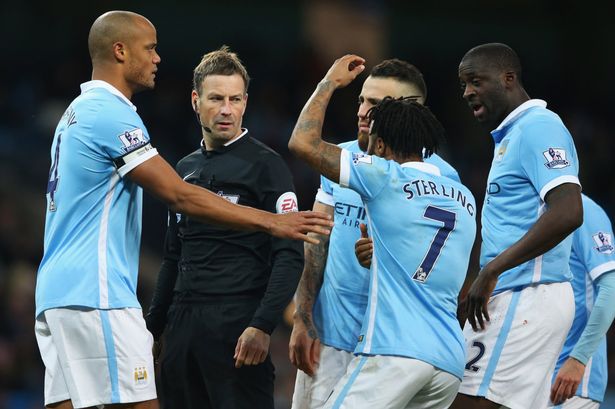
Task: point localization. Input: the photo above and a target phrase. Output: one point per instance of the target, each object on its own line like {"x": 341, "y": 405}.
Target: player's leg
{"x": 56, "y": 390}
{"x": 511, "y": 362}
{"x": 473, "y": 402}
{"x": 312, "y": 392}
{"x": 438, "y": 393}
{"x": 105, "y": 355}
{"x": 380, "y": 382}
{"x": 577, "y": 402}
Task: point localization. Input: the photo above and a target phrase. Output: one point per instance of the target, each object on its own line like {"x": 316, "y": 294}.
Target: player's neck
{"x": 110, "y": 77}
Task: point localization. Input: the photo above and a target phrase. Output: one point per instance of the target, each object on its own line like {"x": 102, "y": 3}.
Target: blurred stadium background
{"x": 565, "y": 47}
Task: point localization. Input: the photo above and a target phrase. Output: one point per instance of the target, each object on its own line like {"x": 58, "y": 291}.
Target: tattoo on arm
{"x": 306, "y": 140}
{"x": 311, "y": 281}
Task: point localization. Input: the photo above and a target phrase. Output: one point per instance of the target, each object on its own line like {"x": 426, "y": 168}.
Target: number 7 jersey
{"x": 423, "y": 227}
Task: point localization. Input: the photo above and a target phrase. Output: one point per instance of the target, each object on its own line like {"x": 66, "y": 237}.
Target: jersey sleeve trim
{"x": 556, "y": 182}
{"x": 601, "y": 269}
{"x": 344, "y": 168}
{"x": 133, "y": 159}
{"x": 325, "y": 198}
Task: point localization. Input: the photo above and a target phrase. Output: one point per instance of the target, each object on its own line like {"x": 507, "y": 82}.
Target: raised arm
{"x": 304, "y": 345}
{"x": 306, "y": 140}
{"x": 564, "y": 214}
{"x": 157, "y": 177}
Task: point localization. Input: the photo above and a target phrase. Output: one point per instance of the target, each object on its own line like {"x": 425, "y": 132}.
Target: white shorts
{"x": 95, "y": 357}
{"x": 392, "y": 382}
{"x": 576, "y": 402}
{"x": 512, "y": 361}
{"x": 312, "y": 392}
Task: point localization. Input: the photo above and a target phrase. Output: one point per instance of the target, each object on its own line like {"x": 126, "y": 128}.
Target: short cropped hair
{"x": 401, "y": 71}
{"x": 219, "y": 62}
{"x": 499, "y": 56}
{"x": 406, "y": 126}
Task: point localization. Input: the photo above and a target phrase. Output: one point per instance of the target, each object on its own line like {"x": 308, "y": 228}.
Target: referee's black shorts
{"x": 197, "y": 366}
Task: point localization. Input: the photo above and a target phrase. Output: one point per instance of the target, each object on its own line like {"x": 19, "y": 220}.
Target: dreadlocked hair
{"x": 406, "y": 126}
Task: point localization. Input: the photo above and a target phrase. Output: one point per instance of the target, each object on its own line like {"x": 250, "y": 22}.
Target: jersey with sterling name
{"x": 592, "y": 255}
{"x": 342, "y": 300}
{"x": 422, "y": 226}
{"x": 93, "y": 220}
{"x": 534, "y": 153}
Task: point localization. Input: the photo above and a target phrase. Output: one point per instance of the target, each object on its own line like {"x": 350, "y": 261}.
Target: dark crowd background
{"x": 565, "y": 47}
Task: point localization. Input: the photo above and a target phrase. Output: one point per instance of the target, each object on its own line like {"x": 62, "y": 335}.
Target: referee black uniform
{"x": 215, "y": 282}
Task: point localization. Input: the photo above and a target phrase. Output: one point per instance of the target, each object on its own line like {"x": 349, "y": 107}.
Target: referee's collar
{"x": 236, "y": 141}
{"x": 90, "y": 85}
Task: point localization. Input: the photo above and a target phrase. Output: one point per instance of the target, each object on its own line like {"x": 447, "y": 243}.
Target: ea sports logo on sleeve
{"x": 556, "y": 158}
{"x": 603, "y": 242}
{"x": 287, "y": 202}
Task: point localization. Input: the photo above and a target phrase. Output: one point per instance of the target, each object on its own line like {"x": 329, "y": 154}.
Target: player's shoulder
{"x": 352, "y": 146}
{"x": 260, "y": 149}
{"x": 592, "y": 209}
{"x": 536, "y": 119}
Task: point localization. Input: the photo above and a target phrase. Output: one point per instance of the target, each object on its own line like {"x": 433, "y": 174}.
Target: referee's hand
{"x": 297, "y": 225}
{"x": 252, "y": 347}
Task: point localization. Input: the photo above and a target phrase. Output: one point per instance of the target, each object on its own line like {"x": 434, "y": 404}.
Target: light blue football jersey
{"x": 534, "y": 153}
{"x": 93, "y": 220}
{"x": 592, "y": 255}
{"x": 340, "y": 306}
{"x": 423, "y": 226}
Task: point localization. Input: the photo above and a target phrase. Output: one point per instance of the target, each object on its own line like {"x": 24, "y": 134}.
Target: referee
{"x": 220, "y": 292}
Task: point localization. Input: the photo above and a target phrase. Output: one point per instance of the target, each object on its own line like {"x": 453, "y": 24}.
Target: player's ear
{"x": 510, "y": 77}
{"x": 381, "y": 147}
{"x": 119, "y": 51}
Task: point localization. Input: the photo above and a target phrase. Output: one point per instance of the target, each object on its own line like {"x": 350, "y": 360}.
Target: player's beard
{"x": 363, "y": 140}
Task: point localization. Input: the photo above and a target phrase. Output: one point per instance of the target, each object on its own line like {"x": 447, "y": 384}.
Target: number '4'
{"x": 448, "y": 218}
{"x": 52, "y": 183}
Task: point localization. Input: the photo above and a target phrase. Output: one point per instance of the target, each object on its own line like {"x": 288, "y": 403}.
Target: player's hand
{"x": 296, "y": 225}
{"x": 304, "y": 346}
{"x": 567, "y": 381}
{"x": 478, "y": 297}
{"x": 344, "y": 70}
{"x": 252, "y": 347}
{"x": 364, "y": 248}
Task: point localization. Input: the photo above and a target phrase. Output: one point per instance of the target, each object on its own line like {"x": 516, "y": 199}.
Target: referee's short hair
{"x": 220, "y": 62}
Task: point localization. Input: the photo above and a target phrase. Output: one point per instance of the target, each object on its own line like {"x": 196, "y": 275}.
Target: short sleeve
{"x": 593, "y": 241}
{"x": 325, "y": 192}
{"x": 547, "y": 155}
{"x": 365, "y": 174}
{"x": 122, "y": 136}
{"x": 276, "y": 187}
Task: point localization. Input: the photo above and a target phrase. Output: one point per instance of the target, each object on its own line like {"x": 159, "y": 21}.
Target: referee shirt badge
{"x": 603, "y": 242}
{"x": 287, "y": 202}
{"x": 556, "y": 158}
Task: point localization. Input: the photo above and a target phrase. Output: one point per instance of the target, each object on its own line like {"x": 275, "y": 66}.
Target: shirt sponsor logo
{"x": 132, "y": 139}
{"x": 556, "y": 158}
{"x": 140, "y": 376}
{"x": 361, "y": 158}
{"x": 603, "y": 242}
{"x": 231, "y": 198}
{"x": 286, "y": 203}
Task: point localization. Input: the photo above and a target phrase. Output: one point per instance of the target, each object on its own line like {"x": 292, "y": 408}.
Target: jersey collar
{"x": 90, "y": 85}
{"x": 497, "y": 133}
{"x": 227, "y": 146}
{"x": 423, "y": 167}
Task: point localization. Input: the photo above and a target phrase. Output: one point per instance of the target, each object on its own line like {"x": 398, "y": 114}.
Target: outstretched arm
{"x": 306, "y": 140}
{"x": 564, "y": 214}
{"x": 157, "y": 177}
{"x": 304, "y": 345}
